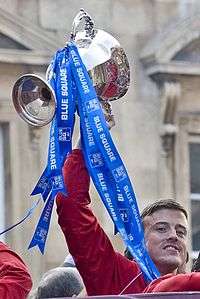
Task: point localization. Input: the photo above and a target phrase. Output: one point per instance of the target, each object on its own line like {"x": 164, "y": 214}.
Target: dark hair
{"x": 163, "y": 204}
{"x": 60, "y": 282}
{"x": 128, "y": 254}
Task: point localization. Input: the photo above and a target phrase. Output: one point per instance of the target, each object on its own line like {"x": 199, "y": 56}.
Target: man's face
{"x": 165, "y": 234}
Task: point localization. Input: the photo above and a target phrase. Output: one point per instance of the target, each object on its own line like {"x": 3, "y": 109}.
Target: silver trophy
{"x": 107, "y": 65}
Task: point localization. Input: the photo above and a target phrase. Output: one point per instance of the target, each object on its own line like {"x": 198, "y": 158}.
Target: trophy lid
{"x": 97, "y": 50}
{"x": 34, "y": 100}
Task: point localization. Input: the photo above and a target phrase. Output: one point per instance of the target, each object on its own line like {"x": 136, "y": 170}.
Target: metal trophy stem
{"x": 104, "y": 59}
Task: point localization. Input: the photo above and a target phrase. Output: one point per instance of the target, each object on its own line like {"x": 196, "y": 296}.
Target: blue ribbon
{"x": 41, "y": 232}
{"x": 52, "y": 181}
{"x": 26, "y": 216}
{"x": 70, "y": 80}
{"x": 107, "y": 170}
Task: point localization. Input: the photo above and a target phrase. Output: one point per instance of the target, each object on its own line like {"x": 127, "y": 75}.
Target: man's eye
{"x": 181, "y": 233}
{"x": 161, "y": 229}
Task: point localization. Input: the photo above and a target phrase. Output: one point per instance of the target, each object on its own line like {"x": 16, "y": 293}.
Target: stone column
{"x": 170, "y": 93}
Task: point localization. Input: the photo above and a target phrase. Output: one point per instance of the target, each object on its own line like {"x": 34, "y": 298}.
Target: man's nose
{"x": 173, "y": 234}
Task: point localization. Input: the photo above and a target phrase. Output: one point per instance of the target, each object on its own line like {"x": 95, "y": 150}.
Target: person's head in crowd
{"x": 60, "y": 282}
{"x": 165, "y": 231}
{"x": 68, "y": 261}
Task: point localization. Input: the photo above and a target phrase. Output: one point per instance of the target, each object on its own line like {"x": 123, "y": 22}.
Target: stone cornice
{"x": 166, "y": 45}
{"x": 173, "y": 67}
{"x": 26, "y": 33}
{"x": 15, "y": 56}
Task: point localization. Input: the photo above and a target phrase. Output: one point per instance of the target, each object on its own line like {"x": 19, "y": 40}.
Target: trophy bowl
{"x": 106, "y": 62}
{"x": 34, "y": 100}
{"x": 111, "y": 79}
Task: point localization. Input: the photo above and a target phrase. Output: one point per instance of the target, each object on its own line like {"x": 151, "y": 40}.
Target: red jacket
{"x": 15, "y": 281}
{"x": 103, "y": 270}
{"x": 175, "y": 283}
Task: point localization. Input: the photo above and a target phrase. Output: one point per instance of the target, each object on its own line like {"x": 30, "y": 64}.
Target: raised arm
{"x": 103, "y": 270}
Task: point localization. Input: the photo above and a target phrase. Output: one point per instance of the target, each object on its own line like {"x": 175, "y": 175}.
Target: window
{"x": 194, "y": 151}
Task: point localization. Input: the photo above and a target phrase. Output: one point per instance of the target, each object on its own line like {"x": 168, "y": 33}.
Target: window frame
{"x": 195, "y": 139}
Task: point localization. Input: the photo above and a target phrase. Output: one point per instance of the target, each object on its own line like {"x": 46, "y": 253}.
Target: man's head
{"x": 165, "y": 231}
{"x": 60, "y": 282}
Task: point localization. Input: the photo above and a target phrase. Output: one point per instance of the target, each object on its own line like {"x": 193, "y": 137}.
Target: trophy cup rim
{"x": 27, "y": 117}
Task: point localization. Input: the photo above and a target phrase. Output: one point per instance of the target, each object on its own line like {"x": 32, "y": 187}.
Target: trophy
{"x": 105, "y": 61}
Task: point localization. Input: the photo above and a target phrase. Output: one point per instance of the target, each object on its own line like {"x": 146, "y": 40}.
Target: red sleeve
{"x": 15, "y": 280}
{"x": 103, "y": 270}
{"x": 175, "y": 283}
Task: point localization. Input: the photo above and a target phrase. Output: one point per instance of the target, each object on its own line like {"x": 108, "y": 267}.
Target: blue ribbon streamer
{"x": 69, "y": 78}
{"x": 41, "y": 232}
{"x": 51, "y": 181}
{"x": 124, "y": 213}
{"x": 27, "y": 215}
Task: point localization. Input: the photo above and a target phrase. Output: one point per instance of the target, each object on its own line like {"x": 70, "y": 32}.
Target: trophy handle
{"x": 88, "y": 25}
{"x": 34, "y": 100}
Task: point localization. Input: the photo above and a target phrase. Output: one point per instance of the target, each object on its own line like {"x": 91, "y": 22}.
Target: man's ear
{"x": 187, "y": 257}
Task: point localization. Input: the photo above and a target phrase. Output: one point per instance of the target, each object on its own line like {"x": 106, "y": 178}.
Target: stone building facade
{"x": 157, "y": 128}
